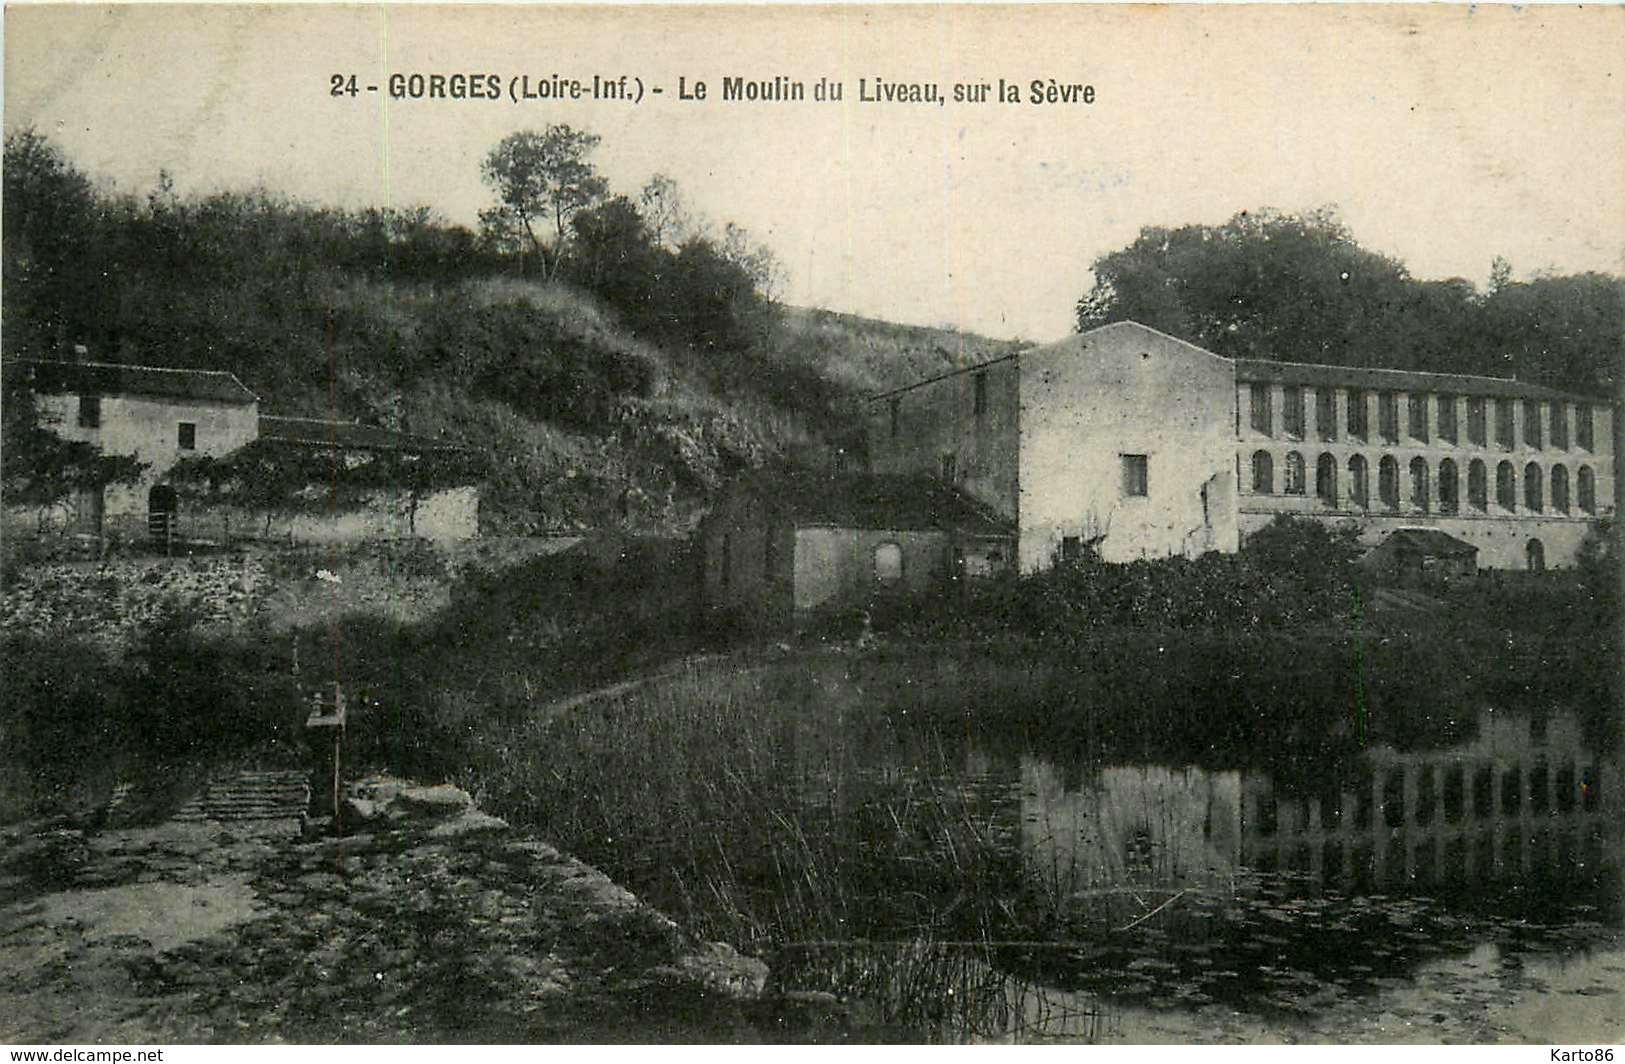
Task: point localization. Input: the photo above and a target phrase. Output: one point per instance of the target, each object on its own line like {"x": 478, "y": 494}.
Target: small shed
{"x": 779, "y": 549}
{"x": 1423, "y": 555}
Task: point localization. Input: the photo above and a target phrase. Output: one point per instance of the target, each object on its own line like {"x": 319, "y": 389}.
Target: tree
{"x": 1267, "y": 285}
{"x": 614, "y": 252}
{"x": 1566, "y": 332}
{"x": 756, "y": 260}
{"x": 52, "y": 214}
{"x": 666, "y": 213}
{"x": 538, "y": 176}
{"x": 1297, "y": 287}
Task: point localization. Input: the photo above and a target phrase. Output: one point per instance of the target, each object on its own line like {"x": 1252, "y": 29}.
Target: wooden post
{"x": 338, "y": 738}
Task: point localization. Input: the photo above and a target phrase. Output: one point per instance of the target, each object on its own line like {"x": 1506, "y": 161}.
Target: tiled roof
{"x": 1269, "y": 371}
{"x": 109, "y": 378}
{"x": 348, "y": 435}
{"x": 1312, "y": 374}
{"x": 1428, "y": 541}
{"x": 876, "y": 501}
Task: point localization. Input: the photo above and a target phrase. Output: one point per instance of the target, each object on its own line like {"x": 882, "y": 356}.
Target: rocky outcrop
{"x": 425, "y": 919}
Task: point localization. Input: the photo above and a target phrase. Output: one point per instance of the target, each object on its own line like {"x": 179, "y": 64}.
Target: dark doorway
{"x": 162, "y": 509}
{"x": 90, "y": 509}
{"x": 1537, "y": 556}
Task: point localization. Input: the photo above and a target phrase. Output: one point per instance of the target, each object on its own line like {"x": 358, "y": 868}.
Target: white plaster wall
{"x": 449, "y": 516}
{"x": 1502, "y": 543}
{"x": 1126, "y": 389}
{"x": 1501, "y": 535}
{"x": 444, "y": 516}
{"x": 147, "y": 427}
{"x": 835, "y": 566}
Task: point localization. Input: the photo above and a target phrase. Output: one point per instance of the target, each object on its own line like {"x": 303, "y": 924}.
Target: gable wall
{"x": 1125, "y": 389}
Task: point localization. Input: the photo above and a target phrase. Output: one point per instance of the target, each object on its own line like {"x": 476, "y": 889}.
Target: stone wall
{"x": 110, "y": 602}
{"x": 965, "y": 424}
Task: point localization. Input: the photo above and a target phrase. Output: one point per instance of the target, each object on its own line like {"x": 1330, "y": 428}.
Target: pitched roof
{"x": 1314, "y": 375}
{"x": 347, "y": 435}
{"x": 110, "y": 378}
{"x": 1428, "y": 541}
{"x": 878, "y": 501}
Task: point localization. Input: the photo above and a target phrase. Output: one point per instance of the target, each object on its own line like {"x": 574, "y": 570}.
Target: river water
{"x": 1457, "y": 893}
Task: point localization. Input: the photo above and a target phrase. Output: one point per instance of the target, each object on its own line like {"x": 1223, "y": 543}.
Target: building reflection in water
{"x": 1130, "y": 826}
{"x": 1527, "y": 799}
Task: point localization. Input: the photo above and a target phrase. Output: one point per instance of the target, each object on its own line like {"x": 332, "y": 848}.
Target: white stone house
{"x": 163, "y": 415}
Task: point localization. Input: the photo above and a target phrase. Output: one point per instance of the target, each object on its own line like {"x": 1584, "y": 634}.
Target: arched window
{"x": 1449, "y": 486}
{"x": 1560, "y": 489}
{"x": 1388, "y": 482}
{"x": 1359, "y": 486}
{"x": 1294, "y": 478}
{"x": 1585, "y": 488}
{"x": 1533, "y": 496}
{"x": 888, "y": 563}
{"x": 1263, "y": 473}
{"x": 1537, "y": 555}
{"x": 1419, "y": 482}
{"x": 1326, "y": 479}
{"x": 1478, "y": 491}
{"x": 1506, "y": 492}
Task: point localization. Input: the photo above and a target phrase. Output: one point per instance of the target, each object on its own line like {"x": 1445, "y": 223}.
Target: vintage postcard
{"x": 929, "y": 524}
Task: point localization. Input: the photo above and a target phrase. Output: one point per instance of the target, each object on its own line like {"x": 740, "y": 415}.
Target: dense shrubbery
{"x": 1292, "y": 573}
{"x": 74, "y": 717}
{"x": 400, "y": 319}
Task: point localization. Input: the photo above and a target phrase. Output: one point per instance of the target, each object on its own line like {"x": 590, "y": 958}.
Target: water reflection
{"x": 1526, "y": 801}
{"x": 1147, "y": 895}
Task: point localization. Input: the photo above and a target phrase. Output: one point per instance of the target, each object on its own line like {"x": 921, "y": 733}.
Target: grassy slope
{"x": 451, "y": 360}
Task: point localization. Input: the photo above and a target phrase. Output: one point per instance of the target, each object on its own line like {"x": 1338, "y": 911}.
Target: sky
{"x": 1445, "y": 136}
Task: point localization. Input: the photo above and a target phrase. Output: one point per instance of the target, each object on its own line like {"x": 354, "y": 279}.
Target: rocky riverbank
{"x": 430, "y": 922}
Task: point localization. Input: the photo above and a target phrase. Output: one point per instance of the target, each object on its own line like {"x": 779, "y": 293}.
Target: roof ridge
{"x": 1390, "y": 369}
{"x": 1150, "y": 329}
{"x": 126, "y": 365}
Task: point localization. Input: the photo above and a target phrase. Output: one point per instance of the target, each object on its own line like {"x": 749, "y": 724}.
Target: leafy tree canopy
{"x": 540, "y": 176}
{"x": 1298, "y": 287}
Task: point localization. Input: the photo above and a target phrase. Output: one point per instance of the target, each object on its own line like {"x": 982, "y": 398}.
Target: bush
{"x": 73, "y": 718}
{"x": 1298, "y": 574}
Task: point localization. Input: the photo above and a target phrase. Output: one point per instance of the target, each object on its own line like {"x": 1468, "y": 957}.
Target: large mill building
{"x": 1134, "y": 444}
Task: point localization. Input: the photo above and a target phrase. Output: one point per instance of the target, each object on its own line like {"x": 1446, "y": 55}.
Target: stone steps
{"x": 243, "y": 796}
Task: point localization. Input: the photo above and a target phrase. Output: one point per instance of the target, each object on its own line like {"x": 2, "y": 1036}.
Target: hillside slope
{"x": 622, "y": 391}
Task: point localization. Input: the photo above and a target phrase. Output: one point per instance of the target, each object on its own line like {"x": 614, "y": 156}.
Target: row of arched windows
{"x": 1417, "y": 488}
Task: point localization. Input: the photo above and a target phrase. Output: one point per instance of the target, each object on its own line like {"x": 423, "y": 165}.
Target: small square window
{"x": 90, "y": 411}
{"x": 1135, "y": 482}
{"x": 186, "y": 436}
